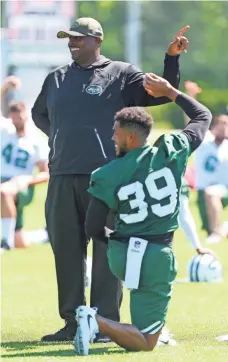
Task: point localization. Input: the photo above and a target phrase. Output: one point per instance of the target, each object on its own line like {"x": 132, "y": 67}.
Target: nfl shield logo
{"x": 137, "y": 244}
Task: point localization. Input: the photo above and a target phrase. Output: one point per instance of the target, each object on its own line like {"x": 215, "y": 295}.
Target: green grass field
{"x": 198, "y": 312}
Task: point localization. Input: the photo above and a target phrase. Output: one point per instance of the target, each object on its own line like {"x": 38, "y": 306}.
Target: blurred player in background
{"x": 22, "y": 151}
{"x": 211, "y": 163}
{"x": 211, "y": 173}
{"x": 187, "y": 222}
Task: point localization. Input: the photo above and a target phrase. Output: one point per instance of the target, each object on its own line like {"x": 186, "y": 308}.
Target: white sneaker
{"x": 165, "y": 339}
{"x": 213, "y": 238}
{"x": 86, "y": 330}
{"x": 223, "y": 338}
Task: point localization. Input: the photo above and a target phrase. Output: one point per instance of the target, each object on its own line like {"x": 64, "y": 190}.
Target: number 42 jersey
{"x": 143, "y": 187}
{"x": 19, "y": 155}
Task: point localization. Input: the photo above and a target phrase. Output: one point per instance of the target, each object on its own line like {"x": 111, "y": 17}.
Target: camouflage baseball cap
{"x": 83, "y": 27}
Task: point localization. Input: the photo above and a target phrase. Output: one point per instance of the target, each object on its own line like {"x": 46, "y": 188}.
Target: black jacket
{"x": 76, "y": 109}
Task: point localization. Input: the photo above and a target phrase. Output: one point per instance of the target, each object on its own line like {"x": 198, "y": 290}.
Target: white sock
{"x": 8, "y": 231}
{"x": 39, "y": 236}
{"x": 187, "y": 222}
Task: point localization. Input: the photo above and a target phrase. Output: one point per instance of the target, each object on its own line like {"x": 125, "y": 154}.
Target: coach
{"x": 76, "y": 109}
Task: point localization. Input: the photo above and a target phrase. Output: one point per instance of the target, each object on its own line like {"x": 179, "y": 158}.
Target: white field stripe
{"x": 151, "y": 327}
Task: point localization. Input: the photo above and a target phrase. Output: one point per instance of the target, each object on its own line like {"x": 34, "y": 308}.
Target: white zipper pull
{"x": 62, "y": 75}
{"x": 99, "y": 140}
{"x": 56, "y": 81}
{"x": 53, "y": 145}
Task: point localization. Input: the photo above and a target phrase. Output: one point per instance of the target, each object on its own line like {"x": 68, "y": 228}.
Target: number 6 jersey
{"x": 19, "y": 155}
{"x": 143, "y": 187}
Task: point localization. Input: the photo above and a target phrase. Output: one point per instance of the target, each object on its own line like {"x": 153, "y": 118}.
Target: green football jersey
{"x": 143, "y": 187}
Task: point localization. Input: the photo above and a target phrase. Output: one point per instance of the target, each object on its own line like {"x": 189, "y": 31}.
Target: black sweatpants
{"x": 66, "y": 206}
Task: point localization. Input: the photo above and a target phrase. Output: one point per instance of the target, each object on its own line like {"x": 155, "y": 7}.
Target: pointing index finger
{"x": 182, "y": 31}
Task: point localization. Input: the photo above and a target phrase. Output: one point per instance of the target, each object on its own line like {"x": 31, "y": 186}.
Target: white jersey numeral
{"x": 169, "y": 190}
{"x": 159, "y": 194}
{"x": 136, "y": 188}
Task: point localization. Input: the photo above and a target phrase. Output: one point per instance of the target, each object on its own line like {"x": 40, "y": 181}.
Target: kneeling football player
{"x": 142, "y": 187}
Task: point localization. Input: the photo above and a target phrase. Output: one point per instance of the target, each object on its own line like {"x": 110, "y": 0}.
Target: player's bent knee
{"x": 152, "y": 340}
{"x": 215, "y": 191}
{"x": 6, "y": 194}
{"x": 150, "y": 347}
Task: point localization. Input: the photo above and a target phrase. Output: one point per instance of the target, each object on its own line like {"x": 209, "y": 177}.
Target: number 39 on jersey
{"x": 139, "y": 204}
{"x": 143, "y": 187}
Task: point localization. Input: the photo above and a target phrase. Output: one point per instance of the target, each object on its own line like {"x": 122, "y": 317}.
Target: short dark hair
{"x": 216, "y": 118}
{"x": 16, "y": 106}
{"x": 135, "y": 118}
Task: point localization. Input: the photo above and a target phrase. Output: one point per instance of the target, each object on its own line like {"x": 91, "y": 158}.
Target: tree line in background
{"x": 207, "y": 60}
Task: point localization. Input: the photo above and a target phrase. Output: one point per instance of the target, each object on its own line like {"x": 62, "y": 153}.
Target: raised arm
{"x": 200, "y": 116}
{"x": 134, "y": 93}
{"x": 11, "y": 82}
{"x": 191, "y": 89}
{"x": 200, "y": 119}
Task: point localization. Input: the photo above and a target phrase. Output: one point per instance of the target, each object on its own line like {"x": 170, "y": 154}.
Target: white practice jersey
{"x": 209, "y": 136}
{"x": 211, "y": 162}
{"x": 19, "y": 155}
